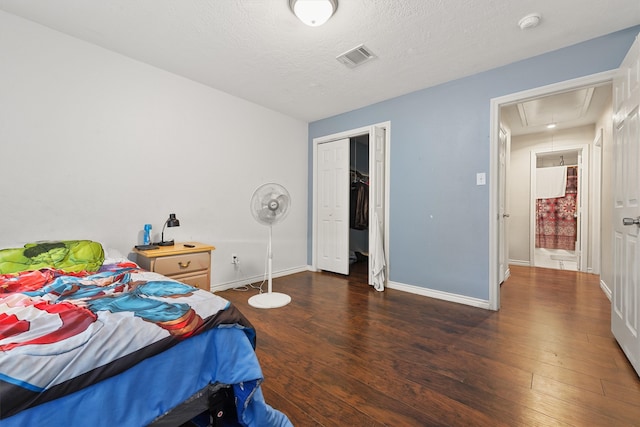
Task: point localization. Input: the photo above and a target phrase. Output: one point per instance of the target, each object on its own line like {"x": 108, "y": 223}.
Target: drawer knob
{"x": 184, "y": 265}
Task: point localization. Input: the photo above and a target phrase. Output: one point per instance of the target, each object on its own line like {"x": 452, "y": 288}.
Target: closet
{"x": 364, "y": 151}
{"x": 359, "y": 203}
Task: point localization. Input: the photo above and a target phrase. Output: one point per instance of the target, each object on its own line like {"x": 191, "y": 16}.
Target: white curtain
{"x": 378, "y": 274}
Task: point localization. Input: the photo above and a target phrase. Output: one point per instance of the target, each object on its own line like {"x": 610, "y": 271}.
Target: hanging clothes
{"x": 556, "y": 218}
{"x": 359, "y": 204}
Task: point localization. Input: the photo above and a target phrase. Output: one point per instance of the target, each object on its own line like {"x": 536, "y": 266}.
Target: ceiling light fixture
{"x": 313, "y": 12}
{"x": 551, "y": 125}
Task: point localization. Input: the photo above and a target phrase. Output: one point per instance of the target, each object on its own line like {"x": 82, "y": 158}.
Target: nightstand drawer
{"x": 179, "y": 264}
{"x": 197, "y": 280}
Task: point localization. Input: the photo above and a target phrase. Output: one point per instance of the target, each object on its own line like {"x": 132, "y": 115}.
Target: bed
{"x": 105, "y": 343}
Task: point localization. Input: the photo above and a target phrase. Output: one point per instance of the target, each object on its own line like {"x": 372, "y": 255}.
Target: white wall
{"x": 520, "y": 181}
{"x": 94, "y": 145}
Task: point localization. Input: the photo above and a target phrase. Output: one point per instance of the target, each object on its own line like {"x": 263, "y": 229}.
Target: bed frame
{"x": 211, "y": 406}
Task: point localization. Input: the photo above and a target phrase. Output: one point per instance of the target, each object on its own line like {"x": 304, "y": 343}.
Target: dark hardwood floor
{"x": 342, "y": 354}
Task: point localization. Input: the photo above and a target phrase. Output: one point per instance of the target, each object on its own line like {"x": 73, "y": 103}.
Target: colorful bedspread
{"x": 60, "y": 333}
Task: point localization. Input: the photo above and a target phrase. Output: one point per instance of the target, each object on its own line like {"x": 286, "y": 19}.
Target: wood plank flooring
{"x": 342, "y": 354}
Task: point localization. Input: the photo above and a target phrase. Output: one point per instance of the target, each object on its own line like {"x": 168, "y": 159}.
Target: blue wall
{"x": 439, "y": 217}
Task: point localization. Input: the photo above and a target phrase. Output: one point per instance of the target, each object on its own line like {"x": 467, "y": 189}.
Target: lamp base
{"x": 163, "y": 243}
{"x": 269, "y": 300}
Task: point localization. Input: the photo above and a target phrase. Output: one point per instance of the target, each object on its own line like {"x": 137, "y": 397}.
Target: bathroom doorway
{"x": 559, "y": 186}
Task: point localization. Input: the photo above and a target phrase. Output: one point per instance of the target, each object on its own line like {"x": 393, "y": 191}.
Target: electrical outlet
{"x": 235, "y": 259}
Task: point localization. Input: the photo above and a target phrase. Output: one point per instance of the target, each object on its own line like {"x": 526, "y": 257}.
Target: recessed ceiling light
{"x": 530, "y": 21}
{"x": 551, "y": 125}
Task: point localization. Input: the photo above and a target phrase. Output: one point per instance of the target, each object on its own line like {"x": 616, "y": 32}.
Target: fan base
{"x": 269, "y": 300}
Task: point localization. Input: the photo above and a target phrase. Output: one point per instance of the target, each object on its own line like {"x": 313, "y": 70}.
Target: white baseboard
{"x": 605, "y": 289}
{"x": 247, "y": 280}
{"x": 418, "y": 290}
{"x": 446, "y": 296}
{"x": 520, "y": 262}
{"x": 412, "y": 289}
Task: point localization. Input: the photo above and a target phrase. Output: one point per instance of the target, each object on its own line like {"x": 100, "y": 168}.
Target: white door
{"x": 581, "y": 217}
{"x": 333, "y": 206}
{"x": 377, "y": 160}
{"x": 626, "y": 216}
{"x": 596, "y": 200}
{"x": 503, "y": 242}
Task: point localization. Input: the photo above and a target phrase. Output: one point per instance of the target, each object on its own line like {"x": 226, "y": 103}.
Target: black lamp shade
{"x": 173, "y": 221}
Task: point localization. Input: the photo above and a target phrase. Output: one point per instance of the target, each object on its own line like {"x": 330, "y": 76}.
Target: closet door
{"x": 378, "y": 262}
{"x": 333, "y": 206}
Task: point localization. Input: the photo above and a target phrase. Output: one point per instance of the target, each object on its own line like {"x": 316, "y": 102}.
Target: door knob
{"x": 506, "y": 215}
{"x": 631, "y": 221}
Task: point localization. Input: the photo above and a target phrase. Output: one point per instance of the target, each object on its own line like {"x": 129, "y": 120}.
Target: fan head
{"x": 270, "y": 203}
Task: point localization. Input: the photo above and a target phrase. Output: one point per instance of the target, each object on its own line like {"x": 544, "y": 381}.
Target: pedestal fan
{"x": 270, "y": 205}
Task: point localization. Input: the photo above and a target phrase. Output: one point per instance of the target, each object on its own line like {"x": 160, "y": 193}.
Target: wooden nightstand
{"x": 188, "y": 265}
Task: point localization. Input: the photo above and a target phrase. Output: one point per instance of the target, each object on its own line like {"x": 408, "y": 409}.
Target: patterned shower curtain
{"x": 556, "y": 223}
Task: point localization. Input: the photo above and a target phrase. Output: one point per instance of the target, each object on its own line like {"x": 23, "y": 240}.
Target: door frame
{"x": 503, "y": 209}
{"x": 583, "y": 237}
{"x": 602, "y": 78}
{"x": 350, "y": 134}
{"x": 596, "y": 197}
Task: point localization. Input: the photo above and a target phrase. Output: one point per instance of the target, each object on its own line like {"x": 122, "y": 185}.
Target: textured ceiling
{"x": 259, "y": 51}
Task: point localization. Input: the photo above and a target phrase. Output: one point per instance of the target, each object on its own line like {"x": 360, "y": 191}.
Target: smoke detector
{"x": 530, "y": 21}
{"x": 356, "y": 56}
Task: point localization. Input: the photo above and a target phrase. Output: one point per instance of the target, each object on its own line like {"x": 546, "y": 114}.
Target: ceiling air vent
{"x": 356, "y": 56}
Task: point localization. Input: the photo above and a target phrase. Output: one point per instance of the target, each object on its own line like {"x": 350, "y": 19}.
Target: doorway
{"x": 359, "y": 204}
{"x": 550, "y": 147}
{"x": 499, "y": 120}
{"x": 336, "y": 242}
{"x": 559, "y": 214}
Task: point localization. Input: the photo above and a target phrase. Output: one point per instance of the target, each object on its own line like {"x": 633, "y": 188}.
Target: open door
{"x": 333, "y": 206}
{"x": 582, "y": 235}
{"x": 377, "y": 190}
{"x": 625, "y": 297}
{"x": 503, "y": 215}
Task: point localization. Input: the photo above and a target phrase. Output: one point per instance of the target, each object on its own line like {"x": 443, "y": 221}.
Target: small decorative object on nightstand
{"x": 187, "y": 262}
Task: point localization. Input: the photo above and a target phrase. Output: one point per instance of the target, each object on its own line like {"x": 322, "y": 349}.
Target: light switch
{"x": 481, "y": 178}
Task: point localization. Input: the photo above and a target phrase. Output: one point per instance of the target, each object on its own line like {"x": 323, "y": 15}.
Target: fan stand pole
{"x": 270, "y": 299}
{"x": 270, "y": 262}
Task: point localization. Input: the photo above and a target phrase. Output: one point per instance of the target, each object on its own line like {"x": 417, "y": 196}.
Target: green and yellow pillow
{"x": 70, "y": 256}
